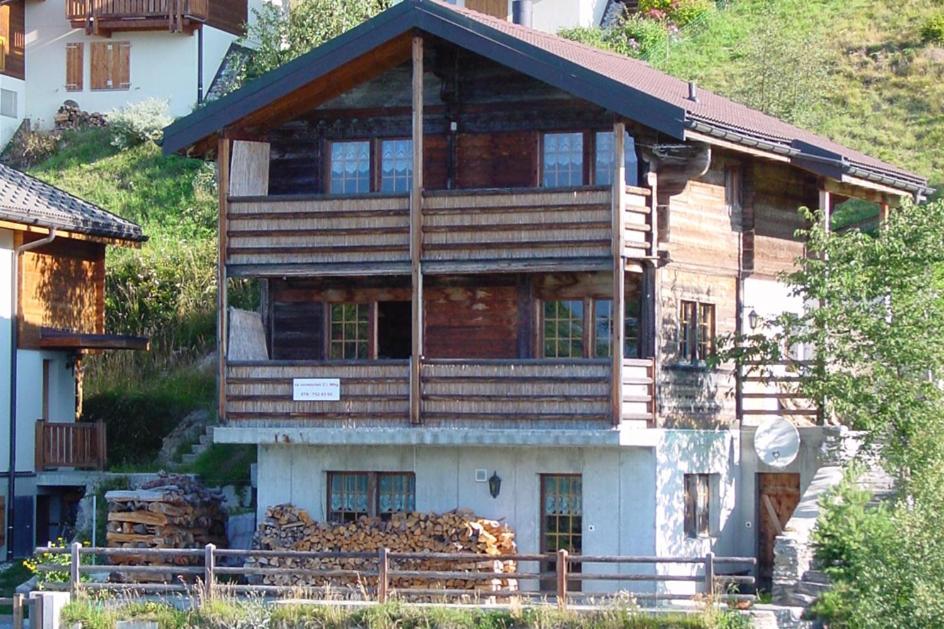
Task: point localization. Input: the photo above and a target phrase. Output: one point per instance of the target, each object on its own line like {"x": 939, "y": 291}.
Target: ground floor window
{"x": 699, "y": 495}
{"x": 355, "y": 494}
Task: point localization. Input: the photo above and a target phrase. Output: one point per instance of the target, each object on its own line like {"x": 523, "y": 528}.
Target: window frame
{"x": 329, "y": 341}
{"x": 329, "y": 166}
{"x": 380, "y": 165}
{"x": 693, "y": 347}
{"x": 372, "y": 493}
{"x": 590, "y": 176}
{"x": 542, "y": 147}
{"x": 550, "y": 566}
{"x": 375, "y": 177}
{"x": 629, "y": 149}
{"x": 699, "y": 490}
{"x": 588, "y": 330}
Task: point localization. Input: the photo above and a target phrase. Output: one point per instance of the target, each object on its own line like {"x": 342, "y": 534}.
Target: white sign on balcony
{"x": 316, "y": 389}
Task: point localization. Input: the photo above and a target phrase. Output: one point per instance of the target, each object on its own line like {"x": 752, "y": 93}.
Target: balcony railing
{"x": 458, "y": 393}
{"x": 67, "y": 444}
{"x": 93, "y": 14}
{"x": 772, "y": 390}
{"x": 462, "y": 230}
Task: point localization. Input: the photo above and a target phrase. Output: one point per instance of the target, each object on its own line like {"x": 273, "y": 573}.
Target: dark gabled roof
{"x": 29, "y": 201}
{"x": 623, "y": 85}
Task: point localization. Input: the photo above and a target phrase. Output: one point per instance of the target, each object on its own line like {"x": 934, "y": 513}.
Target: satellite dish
{"x": 777, "y": 443}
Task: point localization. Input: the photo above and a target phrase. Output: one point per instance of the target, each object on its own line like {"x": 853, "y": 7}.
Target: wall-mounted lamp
{"x": 494, "y": 485}
{"x": 753, "y": 319}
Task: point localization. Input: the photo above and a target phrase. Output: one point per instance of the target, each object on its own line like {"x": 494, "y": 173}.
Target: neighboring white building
{"x": 115, "y": 54}
{"x": 52, "y": 283}
{"x": 547, "y": 15}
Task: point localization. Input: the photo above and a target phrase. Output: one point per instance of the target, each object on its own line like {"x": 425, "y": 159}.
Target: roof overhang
{"x": 51, "y": 338}
{"x": 274, "y": 91}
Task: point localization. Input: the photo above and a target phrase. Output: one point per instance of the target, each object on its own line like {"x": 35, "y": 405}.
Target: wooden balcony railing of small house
{"x": 96, "y": 16}
{"x": 479, "y": 392}
{"x": 771, "y": 389}
{"x": 67, "y": 444}
{"x": 462, "y": 230}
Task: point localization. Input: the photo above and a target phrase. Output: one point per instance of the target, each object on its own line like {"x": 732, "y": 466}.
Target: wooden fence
{"x": 225, "y": 571}
{"x": 772, "y": 389}
{"x": 17, "y": 603}
{"x": 68, "y": 444}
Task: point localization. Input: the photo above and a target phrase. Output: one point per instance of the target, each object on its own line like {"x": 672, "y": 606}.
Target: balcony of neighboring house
{"x": 73, "y": 445}
{"x": 102, "y": 17}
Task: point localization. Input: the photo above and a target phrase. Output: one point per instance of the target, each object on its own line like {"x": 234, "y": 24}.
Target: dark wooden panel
{"x": 778, "y": 495}
{"x": 297, "y": 330}
{"x": 499, "y": 160}
{"x": 228, "y": 15}
{"x": 13, "y": 32}
{"x": 472, "y": 322}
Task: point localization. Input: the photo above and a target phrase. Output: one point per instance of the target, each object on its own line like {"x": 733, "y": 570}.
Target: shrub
{"x": 29, "y": 147}
{"x": 933, "y": 29}
{"x": 643, "y": 36}
{"x": 140, "y": 122}
{"x": 679, "y": 12}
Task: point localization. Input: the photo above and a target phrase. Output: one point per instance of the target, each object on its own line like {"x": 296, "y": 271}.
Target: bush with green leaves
{"x": 933, "y": 29}
{"x": 679, "y": 12}
{"x": 139, "y": 122}
{"x": 634, "y": 36}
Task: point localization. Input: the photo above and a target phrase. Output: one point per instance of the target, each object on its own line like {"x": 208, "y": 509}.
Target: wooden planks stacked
{"x": 169, "y": 512}
{"x": 289, "y": 528}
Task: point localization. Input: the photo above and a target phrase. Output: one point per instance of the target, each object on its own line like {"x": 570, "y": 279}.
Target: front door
{"x": 777, "y": 497}
{"x": 561, "y": 521}
{"x": 23, "y": 540}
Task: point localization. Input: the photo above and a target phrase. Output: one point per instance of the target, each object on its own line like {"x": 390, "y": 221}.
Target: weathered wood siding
{"x": 13, "y": 33}
{"x": 62, "y": 286}
{"x": 471, "y": 321}
{"x": 487, "y": 391}
{"x": 639, "y": 390}
{"x": 371, "y": 392}
{"x": 776, "y": 194}
{"x": 515, "y": 225}
{"x": 318, "y": 231}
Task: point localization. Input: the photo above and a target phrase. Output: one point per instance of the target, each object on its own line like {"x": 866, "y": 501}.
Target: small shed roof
{"x": 621, "y": 84}
{"x": 27, "y": 200}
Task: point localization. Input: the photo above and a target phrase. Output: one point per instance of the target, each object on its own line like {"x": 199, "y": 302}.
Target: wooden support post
{"x": 825, "y": 205}
{"x": 74, "y": 563}
{"x": 884, "y": 212}
{"x": 710, "y": 574}
{"x": 383, "y": 578}
{"x": 102, "y": 444}
{"x": 17, "y": 611}
{"x": 652, "y": 180}
{"x": 222, "y": 302}
{"x": 209, "y": 570}
{"x": 618, "y": 307}
{"x": 40, "y": 446}
{"x": 562, "y": 579}
{"x": 653, "y": 306}
{"x": 416, "y": 235}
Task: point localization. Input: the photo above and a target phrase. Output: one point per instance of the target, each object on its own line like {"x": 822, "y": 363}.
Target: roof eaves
{"x": 545, "y": 66}
{"x": 310, "y": 66}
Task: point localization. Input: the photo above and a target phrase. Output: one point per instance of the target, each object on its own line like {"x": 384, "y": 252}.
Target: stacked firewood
{"x": 71, "y": 116}
{"x": 169, "y": 512}
{"x": 288, "y": 528}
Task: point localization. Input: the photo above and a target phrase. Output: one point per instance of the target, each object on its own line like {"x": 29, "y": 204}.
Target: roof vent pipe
{"x": 692, "y": 92}
{"x": 521, "y": 12}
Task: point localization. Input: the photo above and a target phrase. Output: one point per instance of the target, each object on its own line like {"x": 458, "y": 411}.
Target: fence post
{"x": 562, "y": 578}
{"x": 209, "y": 567}
{"x": 17, "y": 611}
{"x": 710, "y": 574}
{"x": 74, "y": 568}
{"x": 383, "y": 580}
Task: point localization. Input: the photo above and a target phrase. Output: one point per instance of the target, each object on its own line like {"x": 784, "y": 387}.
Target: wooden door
{"x": 495, "y": 8}
{"x": 777, "y": 497}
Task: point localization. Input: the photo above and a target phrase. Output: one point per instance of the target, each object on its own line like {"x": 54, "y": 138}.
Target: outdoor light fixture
{"x": 494, "y": 484}
{"x": 753, "y": 319}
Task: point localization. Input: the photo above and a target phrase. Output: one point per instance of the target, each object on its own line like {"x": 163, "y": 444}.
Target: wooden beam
{"x": 860, "y": 189}
{"x": 416, "y": 234}
{"x": 222, "y": 303}
{"x": 617, "y": 313}
{"x": 62, "y": 233}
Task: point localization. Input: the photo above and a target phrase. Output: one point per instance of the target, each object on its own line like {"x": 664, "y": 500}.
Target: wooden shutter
{"x": 691, "y": 504}
{"x": 111, "y": 65}
{"x": 496, "y": 8}
{"x": 74, "y": 66}
{"x": 5, "y": 35}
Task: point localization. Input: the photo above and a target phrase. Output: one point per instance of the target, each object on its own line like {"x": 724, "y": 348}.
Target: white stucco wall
{"x": 163, "y": 65}
{"x": 553, "y": 15}
{"x": 633, "y": 497}
{"x": 6, "y": 313}
{"x": 8, "y": 124}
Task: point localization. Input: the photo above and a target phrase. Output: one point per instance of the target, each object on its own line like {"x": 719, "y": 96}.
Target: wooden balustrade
{"x": 67, "y": 444}
{"x": 93, "y": 14}
{"x": 639, "y": 397}
{"x": 462, "y": 231}
{"x": 772, "y": 389}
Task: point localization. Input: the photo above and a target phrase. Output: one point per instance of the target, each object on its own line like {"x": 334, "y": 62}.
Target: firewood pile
{"x": 71, "y": 116}
{"x": 169, "y": 512}
{"x": 288, "y": 528}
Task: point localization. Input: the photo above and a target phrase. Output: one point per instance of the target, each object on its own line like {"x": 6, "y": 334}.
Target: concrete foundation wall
{"x": 9, "y": 124}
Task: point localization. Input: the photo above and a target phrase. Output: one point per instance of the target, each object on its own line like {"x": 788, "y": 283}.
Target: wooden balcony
{"x": 102, "y": 17}
{"x": 771, "y": 390}
{"x": 495, "y": 393}
{"x": 462, "y": 231}
{"x": 67, "y": 444}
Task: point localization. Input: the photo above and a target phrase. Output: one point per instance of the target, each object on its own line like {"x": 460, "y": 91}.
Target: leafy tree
{"x": 281, "y": 35}
{"x": 876, "y": 324}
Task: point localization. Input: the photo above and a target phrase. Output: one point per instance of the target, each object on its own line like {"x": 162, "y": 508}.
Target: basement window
{"x": 701, "y": 504}
{"x": 355, "y": 494}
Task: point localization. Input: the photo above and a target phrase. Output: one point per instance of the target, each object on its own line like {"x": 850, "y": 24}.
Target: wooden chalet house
{"x": 52, "y": 307}
{"x": 486, "y": 252}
